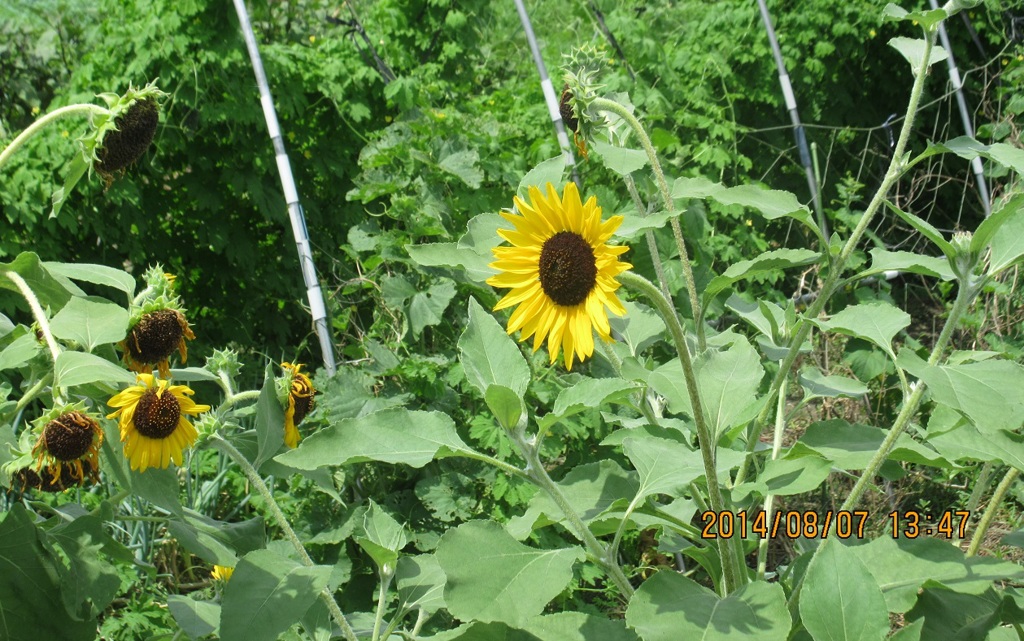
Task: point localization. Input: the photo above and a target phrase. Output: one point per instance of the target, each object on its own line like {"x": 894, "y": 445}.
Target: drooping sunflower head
{"x": 154, "y": 337}
{"x": 123, "y": 132}
{"x": 153, "y": 418}
{"x": 300, "y": 401}
{"x": 222, "y": 573}
{"x": 68, "y": 447}
{"x": 45, "y": 480}
{"x": 561, "y": 271}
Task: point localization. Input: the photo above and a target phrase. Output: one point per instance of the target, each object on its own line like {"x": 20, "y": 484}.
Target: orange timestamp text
{"x": 843, "y": 524}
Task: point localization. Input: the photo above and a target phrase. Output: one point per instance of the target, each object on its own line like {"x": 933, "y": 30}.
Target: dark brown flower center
{"x": 302, "y": 393}
{"x": 69, "y": 436}
{"x": 568, "y": 269}
{"x": 157, "y": 416}
{"x": 135, "y": 130}
{"x": 565, "y": 109}
{"x": 156, "y": 336}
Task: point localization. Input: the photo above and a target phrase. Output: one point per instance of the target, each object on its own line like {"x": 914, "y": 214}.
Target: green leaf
{"x": 665, "y": 467}
{"x": 493, "y": 577}
{"x": 551, "y": 171}
{"x": 464, "y": 165}
{"x": 729, "y": 379}
{"x": 31, "y": 605}
{"x": 928, "y": 18}
{"x": 634, "y": 225}
{"x": 876, "y": 322}
{"x": 640, "y": 328}
{"x": 489, "y": 356}
{"x": 670, "y": 607}
{"x": 96, "y": 274}
{"x": 159, "y": 487}
{"x": 851, "y": 446}
{"x": 840, "y": 598}
{"x": 1008, "y": 245}
{"x": 478, "y": 631}
{"x": 472, "y": 253}
{"x": 578, "y": 626}
{"x": 912, "y": 49}
{"x": 989, "y": 228}
{"x": 90, "y": 323}
{"x": 949, "y": 616}
{"x": 426, "y": 309}
{"x": 619, "y": 159}
{"x": 968, "y": 148}
{"x": 382, "y": 537}
{"x": 903, "y": 566}
{"x": 505, "y": 404}
{"x": 20, "y": 351}
{"x": 792, "y": 474}
{"x": 588, "y": 393}
{"x": 771, "y": 204}
{"x": 79, "y": 368}
{"x": 197, "y": 618}
{"x": 589, "y": 489}
{"x": 76, "y": 169}
{"x": 50, "y": 292}
{"x": 269, "y": 420}
{"x": 395, "y": 435}
{"x": 926, "y": 229}
{"x": 817, "y": 385}
{"x": 267, "y": 594}
{"x": 764, "y": 316}
{"x": 420, "y": 582}
{"x": 771, "y": 261}
{"x": 966, "y": 442}
{"x": 883, "y": 260}
{"x": 215, "y": 541}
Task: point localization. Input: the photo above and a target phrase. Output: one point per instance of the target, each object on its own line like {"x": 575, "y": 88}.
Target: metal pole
{"x": 965, "y": 115}
{"x": 291, "y": 195}
{"x": 550, "y": 97}
{"x": 798, "y": 128}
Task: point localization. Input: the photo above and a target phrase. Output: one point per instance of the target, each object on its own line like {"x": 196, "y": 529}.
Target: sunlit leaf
{"x": 840, "y": 598}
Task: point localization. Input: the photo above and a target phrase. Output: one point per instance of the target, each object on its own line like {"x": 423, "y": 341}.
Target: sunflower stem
{"x": 235, "y": 399}
{"x": 32, "y": 393}
{"x": 42, "y": 122}
{"x": 990, "y": 511}
{"x": 382, "y": 600}
{"x": 707, "y": 440}
{"x": 41, "y": 320}
{"x": 892, "y": 174}
{"x": 769, "y": 499}
{"x": 603, "y": 104}
{"x": 257, "y": 482}
{"x": 652, "y": 247}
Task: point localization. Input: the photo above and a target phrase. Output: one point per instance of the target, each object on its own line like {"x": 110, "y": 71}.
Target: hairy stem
{"x": 769, "y": 499}
{"x": 990, "y": 511}
{"x": 707, "y": 439}
{"x": 38, "y": 125}
{"x": 282, "y": 521}
{"x": 382, "y": 601}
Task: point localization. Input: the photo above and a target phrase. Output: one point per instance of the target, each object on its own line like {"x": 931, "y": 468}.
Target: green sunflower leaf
{"x": 90, "y": 323}
{"x": 79, "y": 368}
{"x": 840, "y": 598}
{"x": 489, "y": 356}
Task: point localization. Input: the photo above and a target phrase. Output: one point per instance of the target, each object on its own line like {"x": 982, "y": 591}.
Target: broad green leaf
{"x": 197, "y": 618}
{"x": 578, "y": 626}
{"x": 792, "y": 474}
{"x": 589, "y": 393}
{"x": 770, "y": 203}
{"x": 927, "y": 18}
{"x": 771, "y": 261}
{"x": 506, "y": 405}
{"x": 159, "y": 487}
{"x": 926, "y": 229}
{"x": 31, "y": 606}
{"x": 988, "y": 392}
{"x": 989, "y": 228}
{"x": 96, "y": 274}
{"x": 269, "y": 420}
{"x": 382, "y": 536}
{"x": 76, "y": 169}
{"x": 968, "y": 148}
{"x": 950, "y": 616}
{"x": 665, "y": 467}
{"x": 89, "y": 323}
{"x": 910, "y": 632}
{"x": 478, "y": 631}
{"x": 640, "y": 328}
{"x": 817, "y": 385}
{"x": 79, "y": 368}
{"x": 215, "y": 541}
{"x": 851, "y": 446}
{"x": 50, "y": 292}
{"x": 912, "y": 49}
{"x": 549, "y": 171}
{"x": 765, "y": 316}
{"x": 20, "y": 351}
{"x": 840, "y": 599}
{"x": 633, "y": 225}
{"x": 590, "y": 489}
{"x": 92, "y": 580}
{"x": 671, "y": 607}
{"x": 489, "y": 356}
{"x": 267, "y": 594}
{"x": 883, "y": 260}
{"x": 189, "y": 374}
{"x": 875, "y": 322}
{"x": 420, "y": 583}
{"x": 426, "y": 309}
{"x": 903, "y": 566}
{"x": 619, "y": 159}
{"x": 493, "y": 577}
{"x": 1008, "y": 244}
{"x": 393, "y": 436}
{"x": 472, "y": 253}
{"x": 729, "y": 379}
{"x": 967, "y": 442}
{"x": 464, "y": 165}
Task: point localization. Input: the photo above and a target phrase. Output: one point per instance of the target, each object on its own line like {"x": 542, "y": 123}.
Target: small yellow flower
{"x": 222, "y": 573}
{"x": 312, "y": 39}
{"x": 300, "y": 403}
{"x": 153, "y": 420}
{"x": 872, "y": 33}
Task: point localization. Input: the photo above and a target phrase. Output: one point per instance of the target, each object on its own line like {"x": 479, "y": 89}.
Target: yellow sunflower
{"x": 561, "y": 272}
{"x": 222, "y": 573}
{"x": 68, "y": 448}
{"x": 154, "y": 427}
{"x": 152, "y": 340}
{"x": 300, "y": 403}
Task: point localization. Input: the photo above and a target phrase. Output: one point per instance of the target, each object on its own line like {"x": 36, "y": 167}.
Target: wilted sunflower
{"x": 154, "y": 427}
{"x": 561, "y": 272}
{"x": 222, "y": 573}
{"x": 68, "y": 449}
{"x": 26, "y": 478}
{"x": 300, "y": 403}
{"x": 151, "y": 341}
